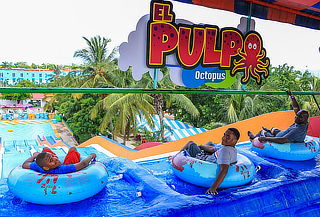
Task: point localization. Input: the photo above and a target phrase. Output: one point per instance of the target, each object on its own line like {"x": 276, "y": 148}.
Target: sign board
{"x": 204, "y": 54}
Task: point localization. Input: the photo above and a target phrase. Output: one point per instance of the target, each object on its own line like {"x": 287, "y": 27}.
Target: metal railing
{"x": 148, "y": 91}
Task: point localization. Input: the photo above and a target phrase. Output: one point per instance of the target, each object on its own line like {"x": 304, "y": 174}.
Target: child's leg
{"x": 186, "y": 146}
{"x": 72, "y": 157}
{"x": 48, "y": 150}
{"x": 193, "y": 149}
{"x": 275, "y": 131}
{"x": 210, "y": 143}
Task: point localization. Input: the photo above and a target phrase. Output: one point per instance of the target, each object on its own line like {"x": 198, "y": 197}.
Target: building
{"x": 38, "y": 76}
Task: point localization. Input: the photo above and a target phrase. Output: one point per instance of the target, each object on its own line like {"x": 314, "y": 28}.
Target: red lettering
{"x": 189, "y": 53}
{"x": 166, "y": 15}
{"x": 157, "y": 12}
{"x": 161, "y": 12}
{"x": 231, "y": 46}
{"x": 163, "y": 39}
{"x": 211, "y": 55}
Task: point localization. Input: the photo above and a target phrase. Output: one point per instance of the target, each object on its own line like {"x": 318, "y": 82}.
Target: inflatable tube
{"x": 203, "y": 173}
{"x": 287, "y": 151}
{"x": 42, "y": 188}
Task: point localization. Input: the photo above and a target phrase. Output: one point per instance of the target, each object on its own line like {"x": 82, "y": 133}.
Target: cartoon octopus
{"x": 252, "y": 60}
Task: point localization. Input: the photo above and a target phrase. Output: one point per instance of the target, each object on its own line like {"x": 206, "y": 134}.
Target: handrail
{"x": 148, "y": 91}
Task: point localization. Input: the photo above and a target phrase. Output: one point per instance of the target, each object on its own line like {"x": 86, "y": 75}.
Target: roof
{"x": 173, "y": 129}
{"x": 37, "y": 95}
{"x": 304, "y": 13}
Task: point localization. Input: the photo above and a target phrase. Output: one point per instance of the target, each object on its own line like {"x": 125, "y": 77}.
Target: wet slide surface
{"x": 149, "y": 188}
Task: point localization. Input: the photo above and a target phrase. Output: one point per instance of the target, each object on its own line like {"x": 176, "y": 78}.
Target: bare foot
{"x": 251, "y": 136}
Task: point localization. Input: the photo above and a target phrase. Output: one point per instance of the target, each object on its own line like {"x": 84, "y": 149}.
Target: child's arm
{"x": 84, "y": 163}
{"x": 222, "y": 174}
{"x": 26, "y": 164}
{"x": 207, "y": 148}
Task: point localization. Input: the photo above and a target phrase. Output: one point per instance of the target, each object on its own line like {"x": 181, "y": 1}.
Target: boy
{"x": 224, "y": 156}
{"x": 295, "y": 133}
{"x": 48, "y": 162}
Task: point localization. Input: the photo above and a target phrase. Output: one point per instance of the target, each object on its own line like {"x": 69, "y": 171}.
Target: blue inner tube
{"x": 42, "y": 188}
{"x": 203, "y": 173}
{"x": 287, "y": 151}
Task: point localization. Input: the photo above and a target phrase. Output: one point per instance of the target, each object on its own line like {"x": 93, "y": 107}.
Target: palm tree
{"x": 56, "y": 73}
{"x": 163, "y": 102}
{"x": 311, "y": 103}
{"x": 98, "y": 62}
{"x": 121, "y": 110}
{"x": 239, "y": 107}
{"x": 6, "y": 64}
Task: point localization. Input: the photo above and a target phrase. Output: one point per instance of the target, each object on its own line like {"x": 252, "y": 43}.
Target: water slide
{"x": 14, "y": 153}
{"x": 51, "y": 140}
{"x": 149, "y": 188}
{"x": 282, "y": 120}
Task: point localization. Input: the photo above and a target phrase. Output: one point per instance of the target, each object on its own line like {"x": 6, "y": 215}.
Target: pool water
{"x": 24, "y": 130}
{"x": 18, "y": 138}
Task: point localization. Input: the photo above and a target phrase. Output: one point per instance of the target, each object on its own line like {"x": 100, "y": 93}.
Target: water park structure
{"x": 143, "y": 182}
{"x": 276, "y": 182}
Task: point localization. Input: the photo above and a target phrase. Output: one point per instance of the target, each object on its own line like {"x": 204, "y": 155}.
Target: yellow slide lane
{"x": 281, "y": 120}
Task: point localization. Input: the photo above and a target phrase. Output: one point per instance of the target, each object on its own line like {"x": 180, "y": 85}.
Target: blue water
{"x": 24, "y": 130}
{"x": 17, "y": 138}
{"x": 150, "y": 188}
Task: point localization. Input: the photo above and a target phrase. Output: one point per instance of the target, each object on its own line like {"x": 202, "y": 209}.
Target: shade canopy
{"x": 173, "y": 130}
{"x": 304, "y": 13}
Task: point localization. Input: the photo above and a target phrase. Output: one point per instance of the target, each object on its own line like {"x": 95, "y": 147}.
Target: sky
{"x": 43, "y": 31}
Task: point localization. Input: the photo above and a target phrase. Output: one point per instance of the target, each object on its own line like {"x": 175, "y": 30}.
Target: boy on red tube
{"x": 48, "y": 162}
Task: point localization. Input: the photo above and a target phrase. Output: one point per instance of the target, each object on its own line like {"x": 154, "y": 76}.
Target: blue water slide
{"x": 86, "y": 151}
{"x": 45, "y": 116}
{"x": 20, "y": 144}
{"x": 8, "y": 116}
{"x": 22, "y": 116}
{"x": 15, "y": 153}
{"x": 51, "y": 140}
{"x": 33, "y": 143}
{"x": 60, "y": 152}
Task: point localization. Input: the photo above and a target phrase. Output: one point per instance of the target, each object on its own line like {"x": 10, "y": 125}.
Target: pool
{"x": 24, "y": 129}
{"x": 18, "y": 138}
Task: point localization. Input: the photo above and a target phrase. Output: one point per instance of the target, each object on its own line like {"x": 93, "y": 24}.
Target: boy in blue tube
{"x": 224, "y": 156}
{"x": 295, "y": 133}
{"x": 48, "y": 162}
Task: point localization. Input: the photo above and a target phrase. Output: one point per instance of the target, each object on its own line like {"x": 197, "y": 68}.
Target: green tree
{"x": 21, "y": 65}
{"x": 20, "y": 96}
{"x": 97, "y": 60}
{"x": 120, "y": 110}
{"x": 310, "y": 83}
{"x": 7, "y": 64}
{"x": 77, "y": 114}
{"x": 163, "y": 102}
